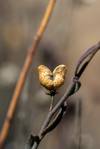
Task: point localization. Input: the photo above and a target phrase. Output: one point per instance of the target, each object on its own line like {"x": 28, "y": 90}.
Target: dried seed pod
{"x": 45, "y": 77}
{"x": 59, "y": 76}
{"x": 52, "y": 80}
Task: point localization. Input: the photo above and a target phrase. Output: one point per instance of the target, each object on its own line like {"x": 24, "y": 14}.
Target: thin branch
{"x": 72, "y": 89}
{"x": 24, "y": 72}
{"x": 51, "y": 104}
{"x": 55, "y": 121}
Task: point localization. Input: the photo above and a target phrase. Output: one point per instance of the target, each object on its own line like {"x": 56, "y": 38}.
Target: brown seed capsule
{"x": 59, "y": 76}
{"x": 52, "y": 80}
{"x": 45, "y": 76}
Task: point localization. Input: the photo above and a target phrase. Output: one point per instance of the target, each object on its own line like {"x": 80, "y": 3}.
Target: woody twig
{"x": 24, "y": 72}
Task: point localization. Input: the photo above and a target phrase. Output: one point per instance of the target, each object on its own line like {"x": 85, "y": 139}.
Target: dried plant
{"x": 52, "y": 80}
{"x": 57, "y": 112}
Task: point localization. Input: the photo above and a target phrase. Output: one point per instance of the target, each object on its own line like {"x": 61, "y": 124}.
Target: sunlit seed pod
{"x": 59, "y": 76}
{"x": 45, "y": 76}
{"x": 52, "y": 80}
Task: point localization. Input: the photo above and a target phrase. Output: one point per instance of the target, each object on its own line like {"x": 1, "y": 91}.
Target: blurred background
{"x": 74, "y": 27}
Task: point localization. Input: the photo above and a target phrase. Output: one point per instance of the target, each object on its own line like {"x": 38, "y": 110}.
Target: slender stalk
{"x": 54, "y": 110}
{"x": 35, "y": 146}
{"x": 24, "y": 72}
{"x": 51, "y": 104}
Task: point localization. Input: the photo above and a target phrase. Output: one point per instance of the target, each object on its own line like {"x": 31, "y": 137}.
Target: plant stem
{"x": 51, "y": 104}
{"x": 72, "y": 89}
{"x": 24, "y": 73}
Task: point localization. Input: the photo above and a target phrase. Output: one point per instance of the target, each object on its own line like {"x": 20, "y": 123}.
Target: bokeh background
{"x": 74, "y": 27}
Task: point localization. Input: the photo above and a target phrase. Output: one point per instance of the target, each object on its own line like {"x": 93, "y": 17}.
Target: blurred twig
{"x": 56, "y": 114}
{"x": 24, "y": 72}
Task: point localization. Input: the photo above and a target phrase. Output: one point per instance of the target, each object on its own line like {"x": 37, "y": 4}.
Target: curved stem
{"x": 72, "y": 89}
